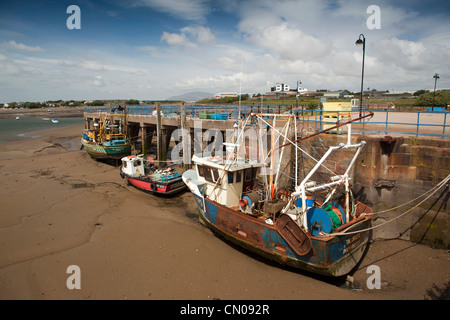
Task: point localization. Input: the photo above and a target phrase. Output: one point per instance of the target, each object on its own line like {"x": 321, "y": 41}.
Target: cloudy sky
{"x": 155, "y": 49}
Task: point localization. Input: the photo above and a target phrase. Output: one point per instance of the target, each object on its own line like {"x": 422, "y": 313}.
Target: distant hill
{"x": 192, "y": 96}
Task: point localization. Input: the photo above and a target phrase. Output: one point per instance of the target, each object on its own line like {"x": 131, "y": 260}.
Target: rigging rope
{"x": 436, "y": 188}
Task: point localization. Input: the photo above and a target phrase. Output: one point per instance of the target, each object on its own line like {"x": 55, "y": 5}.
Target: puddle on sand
{"x": 70, "y": 144}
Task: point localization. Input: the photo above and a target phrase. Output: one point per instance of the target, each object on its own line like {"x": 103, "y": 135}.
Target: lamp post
{"x": 296, "y": 95}
{"x": 361, "y": 42}
{"x": 435, "y": 77}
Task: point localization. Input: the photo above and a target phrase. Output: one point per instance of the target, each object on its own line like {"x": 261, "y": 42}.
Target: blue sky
{"x": 155, "y": 49}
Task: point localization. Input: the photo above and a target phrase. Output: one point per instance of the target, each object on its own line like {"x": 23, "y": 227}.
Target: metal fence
{"x": 417, "y": 123}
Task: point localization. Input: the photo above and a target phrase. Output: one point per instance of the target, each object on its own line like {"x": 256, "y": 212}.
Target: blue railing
{"x": 421, "y": 123}
{"x": 418, "y": 123}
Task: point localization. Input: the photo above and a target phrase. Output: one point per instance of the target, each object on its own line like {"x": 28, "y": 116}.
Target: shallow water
{"x": 28, "y": 127}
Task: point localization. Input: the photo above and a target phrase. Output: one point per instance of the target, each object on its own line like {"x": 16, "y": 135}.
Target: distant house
{"x": 338, "y": 94}
{"x": 397, "y": 95}
{"x": 280, "y": 87}
{"x": 332, "y": 94}
{"x": 375, "y": 94}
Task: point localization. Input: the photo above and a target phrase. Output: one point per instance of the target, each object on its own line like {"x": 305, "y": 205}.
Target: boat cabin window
{"x": 230, "y": 177}
{"x": 207, "y": 173}
{"x": 125, "y": 164}
{"x": 211, "y": 174}
{"x": 248, "y": 175}
{"x": 200, "y": 171}
{"x": 249, "y": 178}
{"x": 215, "y": 174}
{"x": 137, "y": 163}
{"x": 238, "y": 176}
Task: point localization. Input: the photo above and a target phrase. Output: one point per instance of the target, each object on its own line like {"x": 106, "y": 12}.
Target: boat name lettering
{"x": 352, "y": 243}
{"x": 177, "y": 184}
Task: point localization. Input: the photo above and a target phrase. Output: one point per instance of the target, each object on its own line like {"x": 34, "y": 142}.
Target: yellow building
{"x": 334, "y": 112}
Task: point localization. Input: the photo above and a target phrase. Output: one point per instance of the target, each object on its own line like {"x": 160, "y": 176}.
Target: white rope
{"x": 295, "y": 145}
{"x": 437, "y": 187}
{"x": 404, "y": 204}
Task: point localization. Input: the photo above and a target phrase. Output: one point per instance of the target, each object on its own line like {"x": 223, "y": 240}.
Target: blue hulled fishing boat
{"x": 308, "y": 226}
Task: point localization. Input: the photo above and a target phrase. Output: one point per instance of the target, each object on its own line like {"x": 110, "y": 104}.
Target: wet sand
{"x": 60, "y": 112}
{"x": 60, "y": 208}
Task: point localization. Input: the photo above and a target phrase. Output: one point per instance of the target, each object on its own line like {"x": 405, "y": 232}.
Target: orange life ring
{"x": 213, "y": 159}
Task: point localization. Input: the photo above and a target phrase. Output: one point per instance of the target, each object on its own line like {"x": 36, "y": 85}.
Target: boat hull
{"x": 155, "y": 187}
{"x": 106, "y": 152}
{"x": 330, "y": 256}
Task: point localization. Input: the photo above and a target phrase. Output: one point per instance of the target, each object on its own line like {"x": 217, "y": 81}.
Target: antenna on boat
{"x": 240, "y": 91}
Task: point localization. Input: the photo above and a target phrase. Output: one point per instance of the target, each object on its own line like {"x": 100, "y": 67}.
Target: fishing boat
{"x": 108, "y": 139}
{"x": 145, "y": 176}
{"x": 54, "y": 120}
{"x": 307, "y": 226}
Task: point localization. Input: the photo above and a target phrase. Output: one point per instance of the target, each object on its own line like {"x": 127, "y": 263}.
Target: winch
{"x": 326, "y": 219}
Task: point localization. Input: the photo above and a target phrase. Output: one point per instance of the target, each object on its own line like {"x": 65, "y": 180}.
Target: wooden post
{"x": 159, "y": 144}
{"x": 144, "y": 140}
{"x": 183, "y": 125}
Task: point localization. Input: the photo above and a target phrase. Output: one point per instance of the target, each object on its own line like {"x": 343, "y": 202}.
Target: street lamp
{"x": 296, "y": 95}
{"x": 435, "y": 77}
{"x": 361, "y": 42}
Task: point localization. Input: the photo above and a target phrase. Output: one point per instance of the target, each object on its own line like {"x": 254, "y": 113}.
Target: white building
{"x": 280, "y": 87}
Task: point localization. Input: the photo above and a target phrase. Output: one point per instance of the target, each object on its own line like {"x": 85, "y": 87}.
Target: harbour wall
{"x": 391, "y": 171}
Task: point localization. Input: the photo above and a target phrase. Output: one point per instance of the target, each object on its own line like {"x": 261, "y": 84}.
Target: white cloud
{"x": 150, "y": 49}
{"x": 99, "y": 81}
{"x": 20, "y": 46}
{"x": 314, "y": 41}
{"x": 189, "y": 37}
{"x": 193, "y": 10}
{"x": 270, "y": 41}
{"x": 223, "y": 82}
{"x": 176, "y": 39}
{"x": 99, "y": 66}
{"x": 290, "y": 43}
{"x": 204, "y": 35}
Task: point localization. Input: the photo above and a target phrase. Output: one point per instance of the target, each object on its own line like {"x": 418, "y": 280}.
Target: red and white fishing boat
{"x": 143, "y": 175}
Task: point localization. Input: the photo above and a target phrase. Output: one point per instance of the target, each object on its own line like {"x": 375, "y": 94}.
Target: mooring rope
{"x": 436, "y": 188}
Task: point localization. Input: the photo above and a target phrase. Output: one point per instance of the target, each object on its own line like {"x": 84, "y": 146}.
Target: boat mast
{"x": 296, "y": 152}
{"x": 272, "y": 186}
{"x": 281, "y": 156}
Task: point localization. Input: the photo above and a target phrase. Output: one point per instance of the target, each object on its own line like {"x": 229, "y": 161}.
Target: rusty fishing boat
{"x": 312, "y": 225}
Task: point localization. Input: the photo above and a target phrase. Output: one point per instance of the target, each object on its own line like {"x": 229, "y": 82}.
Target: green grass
{"x": 309, "y": 102}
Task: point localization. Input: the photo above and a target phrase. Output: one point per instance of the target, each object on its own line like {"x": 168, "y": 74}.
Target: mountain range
{"x": 192, "y": 96}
